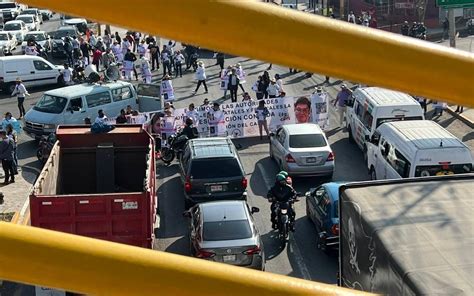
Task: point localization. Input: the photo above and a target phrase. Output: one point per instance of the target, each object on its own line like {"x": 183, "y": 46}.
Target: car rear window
{"x": 215, "y": 168}
{"x": 307, "y": 141}
{"x": 226, "y": 230}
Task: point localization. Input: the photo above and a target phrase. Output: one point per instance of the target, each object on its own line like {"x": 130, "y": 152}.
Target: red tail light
{"x": 244, "y": 182}
{"x": 252, "y": 251}
{"x": 204, "y": 254}
{"x": 330, "y": 156}
{"x": 187, "y": 185}
{"x": 335, "y": 229}
{"x": 289, "y": 158}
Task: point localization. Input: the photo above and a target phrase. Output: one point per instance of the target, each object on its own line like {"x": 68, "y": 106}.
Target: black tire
{"x": 39, "y": 154}
{"x": 271, "y": 152}
{"x": 187, "y": 204}
{"x": 351, "y": 137}
{"x": 167, "y": 155}
{"x": 373, "y": 175}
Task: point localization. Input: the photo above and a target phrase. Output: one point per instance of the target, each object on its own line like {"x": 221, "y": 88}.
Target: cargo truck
{"x": 99, "y": 185}
{"x": 408, "y": 237}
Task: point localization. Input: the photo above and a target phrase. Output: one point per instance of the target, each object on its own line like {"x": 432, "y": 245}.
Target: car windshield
{"x": 221, "y": 168}
{"x": 307, "y": 141}
{"x": 226, "y": 230}
{"x": 51, "y": 104}
{"x": 27, "y": 20}
{"x": 3, "y": 37}
{"x": 12, "y": 27}
{"x": 7, "y": 5}
{"x": 37, "y": 37}
{"x": 27, "y": 11}
{"x": 62, "y": 33}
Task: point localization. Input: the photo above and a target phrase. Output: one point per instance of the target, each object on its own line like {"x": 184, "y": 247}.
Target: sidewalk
{"x": 15, "y": 195}
{"x": 467, "y": 116}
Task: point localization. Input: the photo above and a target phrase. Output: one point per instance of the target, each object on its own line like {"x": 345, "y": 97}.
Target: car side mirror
{"x": 255, "y": 210}
{"x": 187, "y": 214}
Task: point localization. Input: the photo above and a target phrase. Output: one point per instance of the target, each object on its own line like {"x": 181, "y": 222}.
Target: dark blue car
{"x": 322, "y": 208}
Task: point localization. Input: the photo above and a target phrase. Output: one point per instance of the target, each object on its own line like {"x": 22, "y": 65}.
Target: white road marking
{"x": 292, "y": 246}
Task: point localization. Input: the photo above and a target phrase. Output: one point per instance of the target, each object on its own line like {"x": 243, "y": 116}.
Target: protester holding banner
{"x": 145, "y": 68}
{"x": 233, "y": 84}
{"x": 279, "y": 82}
{"x": 216, "y": 121}
{"x": 167, "y": 90}
{"x": 266, "y": 83}
{"x": 225, "y": 80}
{"x": 193, "y": 114}
{"x": 319, "y": 108}
{"x": 200, "y": 76}
{"x": 262, "y": 114}
{"x": 168, "y": 125}
{"x": 241, "y": 74}
{"x": 273, "y": 89}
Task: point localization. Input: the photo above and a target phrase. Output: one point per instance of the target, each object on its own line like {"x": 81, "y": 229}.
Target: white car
{"x": 40, "y": 37}
{"x": 16, "y": 28}
{"x": 302, "y": 150}
{"x": 7, "y": 42}
{"x": 30, "y": 21}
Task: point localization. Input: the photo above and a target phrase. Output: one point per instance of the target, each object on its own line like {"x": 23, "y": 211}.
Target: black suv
{"x": 211, "y": 170}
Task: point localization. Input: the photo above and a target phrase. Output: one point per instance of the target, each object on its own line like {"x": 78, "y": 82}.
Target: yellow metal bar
{"x": 80, "y": 264}
{"x": 304, "y": 41}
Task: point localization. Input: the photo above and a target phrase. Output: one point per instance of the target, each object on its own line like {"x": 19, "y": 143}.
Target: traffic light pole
{"x": 452, "y": 27}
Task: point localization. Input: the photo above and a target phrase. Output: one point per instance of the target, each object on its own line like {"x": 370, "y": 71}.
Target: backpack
{"x": 99, "y": 128}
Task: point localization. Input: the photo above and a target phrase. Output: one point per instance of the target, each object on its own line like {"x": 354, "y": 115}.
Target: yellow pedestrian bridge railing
{"x": 288, "y": 37}
{"x": 95, "y": 267}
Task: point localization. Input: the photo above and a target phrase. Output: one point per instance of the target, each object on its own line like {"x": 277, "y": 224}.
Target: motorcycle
{"x": 45, "y": 146}
{"x": 174, "y": 148}
{"x": 283, "y": 218}
{"x": 41, "y": 51}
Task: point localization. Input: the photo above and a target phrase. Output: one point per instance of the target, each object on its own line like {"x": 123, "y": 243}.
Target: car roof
{"x": 62, "y": 28}
{"x": 421, "y": 134}
{"x": 303, "y": 128}
{"x": 211, "y": 147}
{"x": 386, "y": 97}
{"x": 84, "y": 89}
{"x": 35, "y": 32}
{"x": 21, "y": 57}
{"x": 223, "y": 211}
{"x": 333, "y": 188}
{"x": 14, "y": 22}
{"x": 25, "y": 16}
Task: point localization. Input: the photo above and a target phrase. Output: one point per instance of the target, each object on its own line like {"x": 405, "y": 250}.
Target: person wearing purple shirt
{"x": 342, "y": 98}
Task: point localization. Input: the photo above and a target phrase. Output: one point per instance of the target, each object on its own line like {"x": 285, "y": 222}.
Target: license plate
{"x": 310, "y": 159}
{"x": 216, "y": 188}
{"x": 227, "y": 258}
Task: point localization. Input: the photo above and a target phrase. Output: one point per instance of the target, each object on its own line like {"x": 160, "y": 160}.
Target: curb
{"x": 461, "y": 117}
{"x": 15, "y": 218}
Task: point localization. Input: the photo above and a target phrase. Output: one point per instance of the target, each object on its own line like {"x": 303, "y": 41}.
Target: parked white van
{"x": 416, "y": 148}
{"x": 33, "y": 71}
{"x": 373, "y": 106}
{"x": 71, "y": 104}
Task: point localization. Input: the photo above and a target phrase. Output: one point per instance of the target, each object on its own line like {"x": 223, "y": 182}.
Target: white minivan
{"x": 32, "y": 70}
{"x": 416, "y": 148}
{"x": 71, "y": 104}
{"x": 373, "y": 106}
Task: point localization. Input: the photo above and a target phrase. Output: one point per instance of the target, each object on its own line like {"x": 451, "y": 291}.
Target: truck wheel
{"x": 373, "y": 175}
{"x": 167, "y": 155}
{"x": 351, "y": 137}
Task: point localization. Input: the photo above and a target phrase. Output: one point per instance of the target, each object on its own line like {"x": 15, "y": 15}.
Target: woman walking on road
{"x": 21, "y": 92}
{"x": 201, "y": 76}
{"x": 262, "y": 114}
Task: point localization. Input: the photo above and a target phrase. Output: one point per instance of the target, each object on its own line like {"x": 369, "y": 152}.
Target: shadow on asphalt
{"x": 27, "y": 149}
{"x": 180, "y": 246}
{"x": 468, "y": 137}
{"x": 271, "y": 243}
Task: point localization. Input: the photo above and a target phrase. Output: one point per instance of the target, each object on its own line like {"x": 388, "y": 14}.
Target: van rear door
{"x": 149, "y": 98}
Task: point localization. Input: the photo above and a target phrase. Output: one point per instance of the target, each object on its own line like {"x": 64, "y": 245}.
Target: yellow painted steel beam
{"x": 80, "y": 264}
{"x": 301, "y": 40}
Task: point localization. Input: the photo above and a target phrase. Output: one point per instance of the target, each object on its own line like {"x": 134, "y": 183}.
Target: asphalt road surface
{"x": 300, "y": 258}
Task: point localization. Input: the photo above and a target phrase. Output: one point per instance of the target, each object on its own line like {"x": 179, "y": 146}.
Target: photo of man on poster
{"x": 302, "y": 110}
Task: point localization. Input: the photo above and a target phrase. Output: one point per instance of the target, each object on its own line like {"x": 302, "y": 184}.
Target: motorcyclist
{"x": 189, "y": 131}
{"x": 281, "y": 192}
{"x": 421, "y": 31}
{"x": 31, "y": 47}
{"x": 289, "y": 181}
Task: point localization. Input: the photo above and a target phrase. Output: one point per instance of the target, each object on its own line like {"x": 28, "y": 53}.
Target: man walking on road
{"x": 21, "y": 92}
{"x": 6, "y": 156}
{"x": 341, "y": 100}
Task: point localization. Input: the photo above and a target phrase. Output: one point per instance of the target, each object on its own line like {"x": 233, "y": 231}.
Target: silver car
{"x": 302, "y": 150}
{"x": 224, "y": 231}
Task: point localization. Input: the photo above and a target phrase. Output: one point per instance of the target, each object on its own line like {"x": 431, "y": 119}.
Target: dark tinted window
{"x": 383, "y": 120}
{"x": 307, "y": 141}
{"x": 7, "y": 5}
{"x": 215, "y": 168}
{"x": 226, "y": 230}
{"x": 336, "y": 209}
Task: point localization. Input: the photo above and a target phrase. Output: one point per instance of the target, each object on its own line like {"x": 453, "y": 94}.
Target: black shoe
{"x": 12, "y": 181}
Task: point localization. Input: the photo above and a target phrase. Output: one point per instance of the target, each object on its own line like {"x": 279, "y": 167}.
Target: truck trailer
{"x": 408, "y": 236}
{"x": 99, "y": 185}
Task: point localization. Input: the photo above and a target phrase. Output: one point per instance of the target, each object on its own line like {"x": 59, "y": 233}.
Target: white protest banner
{"x": 319, "y": 109}
{"x": 167, "y": 90}
{"x": 224, "y": 79}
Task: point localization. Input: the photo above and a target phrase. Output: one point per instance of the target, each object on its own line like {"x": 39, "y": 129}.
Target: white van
{"x": 32, "y": 70}
{"x": 71, "y": 104}
{"x": 416, "y": 148}
{"x": 373, "y": 106}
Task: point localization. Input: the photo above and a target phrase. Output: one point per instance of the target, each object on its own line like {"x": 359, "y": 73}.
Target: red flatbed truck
{"x": 99, "y": 185}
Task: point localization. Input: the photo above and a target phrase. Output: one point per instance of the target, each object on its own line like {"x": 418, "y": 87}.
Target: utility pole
{"x": 341, "y": 9}
{"x": 452, "y": 27}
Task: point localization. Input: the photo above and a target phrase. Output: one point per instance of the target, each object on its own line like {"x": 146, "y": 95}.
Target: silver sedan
{"x": 224, "y": 231}
{"x": 302, "y": 150}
